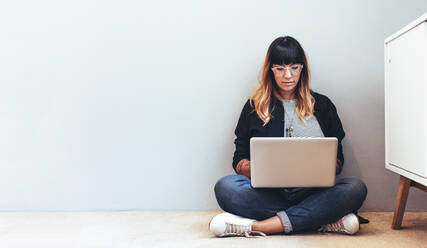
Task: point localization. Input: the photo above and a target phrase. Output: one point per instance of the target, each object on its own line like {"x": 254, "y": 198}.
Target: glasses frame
{"x": 292, "y": 71}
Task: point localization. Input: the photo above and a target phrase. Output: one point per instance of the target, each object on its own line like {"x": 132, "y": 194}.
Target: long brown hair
{"x": 283, "y": 50}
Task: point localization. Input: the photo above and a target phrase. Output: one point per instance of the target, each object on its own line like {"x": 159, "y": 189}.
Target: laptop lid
{"x": 293, "y": 162}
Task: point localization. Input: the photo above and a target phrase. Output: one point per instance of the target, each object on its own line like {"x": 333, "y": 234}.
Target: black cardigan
{"x": 250, "y": 125}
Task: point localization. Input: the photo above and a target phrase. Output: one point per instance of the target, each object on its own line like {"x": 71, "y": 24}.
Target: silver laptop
{"x": 293, "y": 162}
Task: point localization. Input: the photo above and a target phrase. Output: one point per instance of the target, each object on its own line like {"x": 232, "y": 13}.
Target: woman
{"x": 284, "y": 105}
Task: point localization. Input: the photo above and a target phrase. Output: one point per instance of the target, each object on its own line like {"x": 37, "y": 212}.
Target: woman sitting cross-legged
{"x": 284, "y": 101}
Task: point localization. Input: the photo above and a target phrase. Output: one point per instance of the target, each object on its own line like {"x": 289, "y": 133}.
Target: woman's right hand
{"x": 244, "y": 168}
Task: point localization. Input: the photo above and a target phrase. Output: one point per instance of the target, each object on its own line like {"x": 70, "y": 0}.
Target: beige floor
{"x": 186, "y": 229}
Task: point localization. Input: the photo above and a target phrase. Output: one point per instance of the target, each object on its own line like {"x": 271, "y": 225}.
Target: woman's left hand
{"x": 337, "y": 166}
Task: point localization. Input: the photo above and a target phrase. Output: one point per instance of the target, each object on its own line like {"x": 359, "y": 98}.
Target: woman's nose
{"x": 287, "y": 73}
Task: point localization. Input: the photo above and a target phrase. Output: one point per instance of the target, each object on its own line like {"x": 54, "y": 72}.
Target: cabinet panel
{"x": 405, "y": 100}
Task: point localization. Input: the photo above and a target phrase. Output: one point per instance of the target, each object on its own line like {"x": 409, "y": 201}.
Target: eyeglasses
{"x": 294, "y": 69}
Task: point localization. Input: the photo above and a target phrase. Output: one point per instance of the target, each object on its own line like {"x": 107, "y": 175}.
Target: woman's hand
{"x": 244, "y": 168}
{"x": 337, "y": 166}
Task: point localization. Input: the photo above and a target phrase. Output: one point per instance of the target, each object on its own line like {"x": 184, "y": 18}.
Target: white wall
{"x": 113, "y": 105}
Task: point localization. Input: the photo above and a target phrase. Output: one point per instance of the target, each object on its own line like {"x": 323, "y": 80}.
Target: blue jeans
{"x": 299, "y": 209}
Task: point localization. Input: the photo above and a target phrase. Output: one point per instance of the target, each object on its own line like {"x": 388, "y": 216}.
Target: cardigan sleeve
{"x": 338, "y": 131}
{"x": 242, "y": 136}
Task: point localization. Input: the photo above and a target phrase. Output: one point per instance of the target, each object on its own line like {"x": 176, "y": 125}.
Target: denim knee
{"x": 224, "y": 188}
{"x": 356, "y": 188}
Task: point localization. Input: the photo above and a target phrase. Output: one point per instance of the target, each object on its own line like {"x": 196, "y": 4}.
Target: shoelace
{"x": 333, "y": 227}
{"x": 232, "y": 229}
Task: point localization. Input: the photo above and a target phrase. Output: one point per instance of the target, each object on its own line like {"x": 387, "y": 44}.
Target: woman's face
{"x": 287, "y": 77}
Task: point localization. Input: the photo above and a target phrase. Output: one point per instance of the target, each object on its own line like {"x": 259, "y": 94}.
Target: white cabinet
{"x": 406, "y": 101}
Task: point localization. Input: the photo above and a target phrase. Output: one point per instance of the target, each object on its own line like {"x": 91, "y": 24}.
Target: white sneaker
{"x": 226, "y": 224}
{"x": 348, "y": 224}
